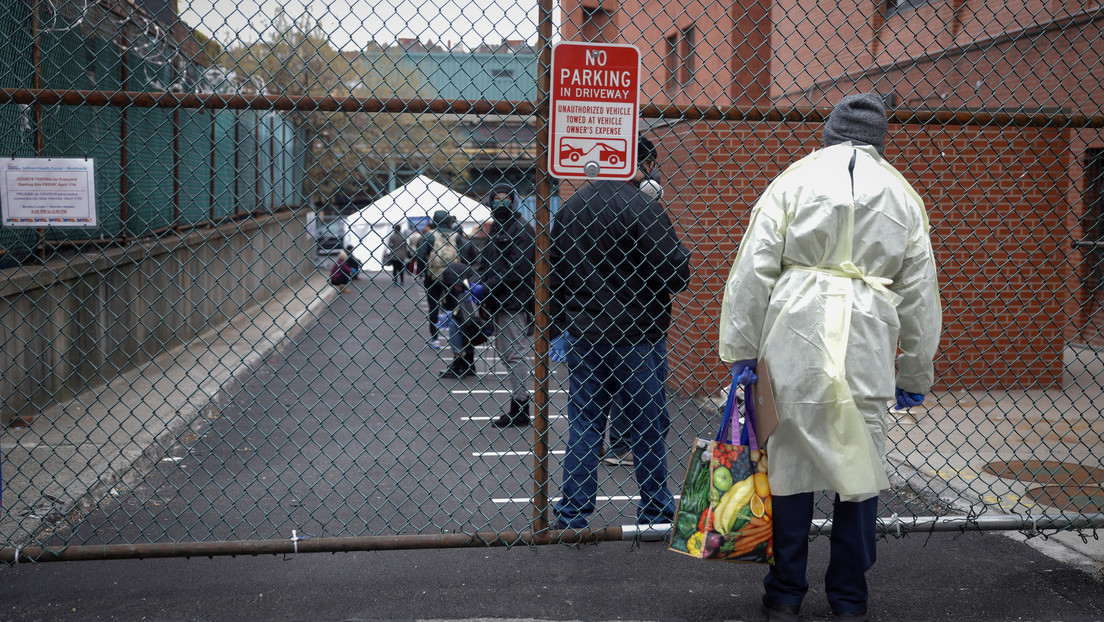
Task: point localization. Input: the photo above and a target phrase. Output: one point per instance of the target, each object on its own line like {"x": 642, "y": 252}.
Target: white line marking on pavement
{"x": 489, "y": 418}
{"x": 499, "y": 454}
{"x": 555, "y": 499}
{"x": 484, "y": 391}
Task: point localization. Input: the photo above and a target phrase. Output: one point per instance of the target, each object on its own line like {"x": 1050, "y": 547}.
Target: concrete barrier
{"x": 81, "y": 321}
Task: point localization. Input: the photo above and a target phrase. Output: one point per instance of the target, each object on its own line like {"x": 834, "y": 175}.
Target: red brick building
{"x": 1015, "y": 208}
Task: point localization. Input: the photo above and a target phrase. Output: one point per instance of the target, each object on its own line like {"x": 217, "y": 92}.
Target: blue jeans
{"x": 636, "y": 374}
{"x": 456, "y": 338}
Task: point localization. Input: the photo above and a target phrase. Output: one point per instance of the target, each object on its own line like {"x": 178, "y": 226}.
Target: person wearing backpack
{"x": 440, "y": 247}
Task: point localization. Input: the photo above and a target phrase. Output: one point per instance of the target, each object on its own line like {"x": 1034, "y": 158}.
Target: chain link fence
{"x": 186, "y": 377}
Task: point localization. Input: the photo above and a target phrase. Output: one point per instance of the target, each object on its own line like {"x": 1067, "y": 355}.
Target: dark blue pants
{"x": 853, "y": 551}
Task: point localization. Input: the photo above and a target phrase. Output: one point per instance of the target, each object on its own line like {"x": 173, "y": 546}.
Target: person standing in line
{"x": 398, "y": 253}
{"x": 439, "y": 247}
{"x": 834, "y": 275}
{"x": 504, "y": 286}
{"x": 616, "y": 265}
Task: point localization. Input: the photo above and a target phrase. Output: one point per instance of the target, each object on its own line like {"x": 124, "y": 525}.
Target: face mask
{"x": 502, "y": 209}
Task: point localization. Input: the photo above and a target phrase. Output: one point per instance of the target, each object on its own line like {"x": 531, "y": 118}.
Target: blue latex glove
{"x": 743, "y": 372}
{"x": 907, "y": 400}
{"x": 560, "y": 344}
{"x": 477, "y": 292}
{"x": 444, "y": 320}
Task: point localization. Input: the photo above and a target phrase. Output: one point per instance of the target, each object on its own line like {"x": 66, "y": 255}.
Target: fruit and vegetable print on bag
{"x": 725, "y": 510}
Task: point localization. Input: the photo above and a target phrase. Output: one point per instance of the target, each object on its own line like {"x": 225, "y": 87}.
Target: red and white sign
{"x": 595, "y": 91}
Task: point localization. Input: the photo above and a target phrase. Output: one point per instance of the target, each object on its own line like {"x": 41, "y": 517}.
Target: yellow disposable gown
{"x": 836, "y": 273}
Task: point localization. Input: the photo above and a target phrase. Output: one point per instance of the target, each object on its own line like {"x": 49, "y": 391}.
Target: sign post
{"x": 595, "y": 103}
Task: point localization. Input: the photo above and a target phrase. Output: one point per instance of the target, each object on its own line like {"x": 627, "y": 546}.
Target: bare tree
{"x": 347, "y": 152}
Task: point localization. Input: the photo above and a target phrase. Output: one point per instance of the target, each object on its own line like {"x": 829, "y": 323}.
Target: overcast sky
{"x": 352, "y": 23}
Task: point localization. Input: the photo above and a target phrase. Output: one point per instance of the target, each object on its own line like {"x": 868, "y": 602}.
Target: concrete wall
{"x": 78, "y": 322}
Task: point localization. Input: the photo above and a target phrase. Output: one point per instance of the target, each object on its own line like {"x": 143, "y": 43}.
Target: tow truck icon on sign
{"x": 576, "y": 152}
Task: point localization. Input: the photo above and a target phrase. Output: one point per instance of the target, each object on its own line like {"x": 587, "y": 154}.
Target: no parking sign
{"x": 595, "y": 103}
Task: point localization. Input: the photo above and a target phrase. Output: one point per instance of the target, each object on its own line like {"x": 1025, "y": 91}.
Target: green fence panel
{"x": 225, "y": 151}
{"x": 266, "y": 178}
{"x": 16, "y": 139}
{"x": 69, "y": 62}
{"x": 247, "y": 183}
{"x": 195, "y": 165}
{"x": 149, "y": 145}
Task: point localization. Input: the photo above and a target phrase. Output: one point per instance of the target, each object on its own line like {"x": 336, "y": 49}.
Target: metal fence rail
{"x": 185, "y": 380}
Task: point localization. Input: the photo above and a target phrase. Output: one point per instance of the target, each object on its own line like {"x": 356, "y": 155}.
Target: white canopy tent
{"x": 368, "y": 229}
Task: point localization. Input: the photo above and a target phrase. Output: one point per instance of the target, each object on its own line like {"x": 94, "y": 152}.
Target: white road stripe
{"x": 499, "y": 454}
{"x": 555, "y": 499}
{"x": 485, "y": 391}
{"x": 489, "y": 418}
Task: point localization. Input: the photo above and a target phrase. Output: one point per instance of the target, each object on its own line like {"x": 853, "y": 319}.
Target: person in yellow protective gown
{"x": 835, "y": 273}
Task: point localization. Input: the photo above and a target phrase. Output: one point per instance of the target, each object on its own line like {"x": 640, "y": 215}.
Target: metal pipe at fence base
{"x": 893, "y": 526}
{"x": 296, "y": 544}
{"x": 900, "y": 526}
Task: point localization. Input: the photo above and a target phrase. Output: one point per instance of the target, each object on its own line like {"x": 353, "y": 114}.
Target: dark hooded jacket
{"x": 616, "y": 264}
{"x": 507, "y": 262}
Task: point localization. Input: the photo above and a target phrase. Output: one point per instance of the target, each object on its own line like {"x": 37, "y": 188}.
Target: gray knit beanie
{"x": 859, "y": 119}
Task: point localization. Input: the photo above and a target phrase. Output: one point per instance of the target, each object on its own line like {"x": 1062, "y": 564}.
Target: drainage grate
{"x": 1063, "y": 485}
{"x": 1046, "y": 472}
{"x": 1086, "y": 498}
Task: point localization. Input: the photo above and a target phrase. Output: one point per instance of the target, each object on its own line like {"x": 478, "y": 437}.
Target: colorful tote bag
{"x": 725, "y": 510}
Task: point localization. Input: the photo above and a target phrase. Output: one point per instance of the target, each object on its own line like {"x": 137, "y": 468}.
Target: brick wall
{"x": 998, "y": 204}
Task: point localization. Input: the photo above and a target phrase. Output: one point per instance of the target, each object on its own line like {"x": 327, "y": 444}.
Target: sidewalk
{"x": 92, "y": 443}
{"x": 1026, "y": 453}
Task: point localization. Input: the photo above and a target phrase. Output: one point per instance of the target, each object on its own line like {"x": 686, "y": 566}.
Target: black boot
{"x": 461, "y": 366}
{"x": 518, "y": 415}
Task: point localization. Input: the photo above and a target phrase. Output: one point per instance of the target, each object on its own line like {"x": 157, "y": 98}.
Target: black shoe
{"x": 460, "y": 367}
{"x": 560, "y": 525}
{"x": 518, "y": 415}
{"x": 779, "y": 612}
{"x": 851, "y": 616}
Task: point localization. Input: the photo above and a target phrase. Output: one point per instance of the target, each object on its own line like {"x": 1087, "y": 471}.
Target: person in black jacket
{"x": 616, "y": 264}
{"x": 504, "y": 286}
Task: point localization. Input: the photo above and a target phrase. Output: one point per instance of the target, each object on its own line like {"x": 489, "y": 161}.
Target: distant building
{"x": 500, "y": 148}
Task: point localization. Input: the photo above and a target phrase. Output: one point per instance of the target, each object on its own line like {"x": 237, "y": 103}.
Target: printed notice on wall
{"x": 47, "y": 192}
